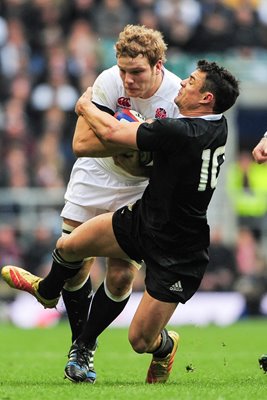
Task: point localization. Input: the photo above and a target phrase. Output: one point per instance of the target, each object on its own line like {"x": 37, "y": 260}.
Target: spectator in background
{"x": 49, "y": 164}
{"x": 3, "y": 39}
{"x": 262, "y": 14}
{"x": 58, "y": 123}
{"x": 80, "y": 9}
{"x": 50, "y": 15}
{"x": 221, "y": 272}
{"x": 111, "y": 16}
{"x": 214, "y": 32}
{"x": 247, "y": 33}
{"x": 178, "y": 20}
{"x": 252, "y": 271}
{"x": 10, "y": 250}
{"x": 42, "y": 239}
{"x": 16, "y": 124}
{"x": 20, "y": 89}
{"x": 16, "y": 168}
{"x": 148, "y": 18}
{"x": 17, "y": 146}
{"x": 84, "y": 51}
{"x": 15, "y": 52}
{"x": 140, "y": 5}
{"x": 247, "y": 188}
{"x": 56, "y": 87}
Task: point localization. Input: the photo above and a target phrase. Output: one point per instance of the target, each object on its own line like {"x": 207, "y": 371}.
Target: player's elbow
{"x": 105, "y": 133}
{"x": 81, "y": 150}
{"x": 78, "y": 150}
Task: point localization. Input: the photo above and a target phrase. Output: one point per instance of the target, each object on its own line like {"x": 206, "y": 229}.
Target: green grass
{"x": 224, "y": 363}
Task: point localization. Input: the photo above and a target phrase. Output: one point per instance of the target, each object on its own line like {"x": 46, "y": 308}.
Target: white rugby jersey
{"x": 108, "y": 91}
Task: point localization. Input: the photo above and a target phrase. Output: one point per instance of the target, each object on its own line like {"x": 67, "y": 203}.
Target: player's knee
{"x": 119, "y": 280}
{"x": 81, "y": 276}
{"x": 67, "y": 248}
{"x": 138, "y": 343}
{"x": 121, "y": 277}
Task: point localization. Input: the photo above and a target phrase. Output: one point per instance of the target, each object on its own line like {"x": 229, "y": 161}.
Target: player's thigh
{"x": 93, "y": 238}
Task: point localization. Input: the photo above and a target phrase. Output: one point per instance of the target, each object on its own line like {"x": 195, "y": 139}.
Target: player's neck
{"x": 198, "y": 112}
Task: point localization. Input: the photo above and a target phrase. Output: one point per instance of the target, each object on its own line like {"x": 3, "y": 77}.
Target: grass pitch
{"x": 212, "y": 363}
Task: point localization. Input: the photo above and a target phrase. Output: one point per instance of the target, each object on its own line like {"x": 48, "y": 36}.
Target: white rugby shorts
{"x": 92, "y": 190}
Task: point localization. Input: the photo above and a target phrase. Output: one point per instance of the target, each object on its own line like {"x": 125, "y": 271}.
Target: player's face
{"x": 138, "y": 77}
{"x": 190, "y": 96}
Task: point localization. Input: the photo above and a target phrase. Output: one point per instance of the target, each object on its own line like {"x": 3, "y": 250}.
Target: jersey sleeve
{"x": 162, "y": 134}
{"x": 106, "y": 89}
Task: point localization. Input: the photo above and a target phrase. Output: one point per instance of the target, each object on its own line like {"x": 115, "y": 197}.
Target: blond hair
{"x": 138, "y": 39}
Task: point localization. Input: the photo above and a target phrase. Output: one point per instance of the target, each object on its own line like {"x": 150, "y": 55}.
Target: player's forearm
{"x": 101, "y": 123}
{"x": 86, "y": 144}
{"x": 109, "y": 130}
{"x": 106, "y": 127}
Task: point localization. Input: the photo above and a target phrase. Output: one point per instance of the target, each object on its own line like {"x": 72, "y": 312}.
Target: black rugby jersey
{"x": 187, "y": 155}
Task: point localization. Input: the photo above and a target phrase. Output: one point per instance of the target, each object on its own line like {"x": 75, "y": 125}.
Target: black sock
{"x": 103, "y": 311}
{"x": 77, "y": 305}
{"x": 50, "y": 287}
{"x": 165, "y": 346}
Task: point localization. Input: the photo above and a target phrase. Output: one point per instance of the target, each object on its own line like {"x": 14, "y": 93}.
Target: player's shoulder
{"x": 109, "y": 75}
{"x": 169, "y": 88}
{"x": 112, "y": 71}
{"x": 108, "y": 86}
{"x": 170, "y": 78}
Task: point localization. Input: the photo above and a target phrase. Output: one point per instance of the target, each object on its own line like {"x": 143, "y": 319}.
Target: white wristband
{"x": 265, "y": 135}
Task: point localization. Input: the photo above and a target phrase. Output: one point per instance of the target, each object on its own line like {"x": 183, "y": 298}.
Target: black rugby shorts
{"x": 174, "y": 281}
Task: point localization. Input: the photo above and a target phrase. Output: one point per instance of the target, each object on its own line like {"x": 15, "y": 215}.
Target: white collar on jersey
{"x": 210, "y": 117}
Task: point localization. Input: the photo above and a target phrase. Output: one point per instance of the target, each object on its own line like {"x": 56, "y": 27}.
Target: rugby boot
{"x": 160, "y": 368}
{"x": 80, "y": 366}
{"x": 19, "y": 278}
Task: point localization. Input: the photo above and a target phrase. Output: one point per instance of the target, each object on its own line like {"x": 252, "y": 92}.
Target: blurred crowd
{"x": 51, "y": 50}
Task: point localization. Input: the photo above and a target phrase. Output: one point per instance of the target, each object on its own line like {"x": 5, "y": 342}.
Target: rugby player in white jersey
{"x": 139, "y": 82}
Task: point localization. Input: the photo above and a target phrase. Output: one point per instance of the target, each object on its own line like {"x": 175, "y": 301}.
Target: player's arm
{"x": 106, "y": 127}
{"x": 86, "y": 144}
{"x": 260, "y": 151}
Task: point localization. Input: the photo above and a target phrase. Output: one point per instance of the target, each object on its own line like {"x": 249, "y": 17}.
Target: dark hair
{"x": 221, "y": 83}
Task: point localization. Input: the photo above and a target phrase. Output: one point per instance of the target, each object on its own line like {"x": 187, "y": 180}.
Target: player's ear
{"x": 208, "y": 97}
{"x": 158, "y": 66}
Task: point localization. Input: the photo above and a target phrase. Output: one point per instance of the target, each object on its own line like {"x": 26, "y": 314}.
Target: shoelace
{"x": 81, "y": 355}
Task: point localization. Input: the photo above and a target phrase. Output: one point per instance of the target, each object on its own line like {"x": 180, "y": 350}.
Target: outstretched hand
{"x": 260, "y": 151}
{"x": 83, "y": 101}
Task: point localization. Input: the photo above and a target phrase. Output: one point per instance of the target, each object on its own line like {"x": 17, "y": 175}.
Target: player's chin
{"x": 134, "y": 92}
{"x": 177, "y": 101}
